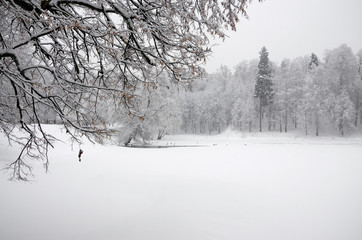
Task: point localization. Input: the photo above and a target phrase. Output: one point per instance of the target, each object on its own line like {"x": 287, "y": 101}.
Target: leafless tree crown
{"x": 66, "y": 56}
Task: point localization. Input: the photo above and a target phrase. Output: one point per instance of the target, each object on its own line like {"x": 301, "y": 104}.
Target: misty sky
{"x": 290, "y": 28}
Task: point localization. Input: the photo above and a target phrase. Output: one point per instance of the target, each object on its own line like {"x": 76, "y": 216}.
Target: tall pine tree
{"x": 264, "y": 84}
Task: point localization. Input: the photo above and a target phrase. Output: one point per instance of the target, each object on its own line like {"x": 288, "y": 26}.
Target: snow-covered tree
{"x": 161, "y": 113}
{"x": 168, "y": 119}
{"x": 264, "y": 84}
{"x": 358, "y": 89}
{"x": 217, "y": 115}
{"x": 243, "y": 113}
{"x": 298, "y": 71}
{"x": 344, "y": 82}
{"x": 313, "y": 106}
{"x": 342, "y": 110}
{"x": 314, "y": 61}
{"x": 342, "y": 68}
{"x": 282, "y": 93}
{"x": 80, "y": 52}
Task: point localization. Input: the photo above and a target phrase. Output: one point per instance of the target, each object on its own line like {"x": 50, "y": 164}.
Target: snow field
{"x": 234, "y": 188}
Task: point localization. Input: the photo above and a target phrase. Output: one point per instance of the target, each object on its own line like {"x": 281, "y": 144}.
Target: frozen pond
{"x": 235, "y": 188}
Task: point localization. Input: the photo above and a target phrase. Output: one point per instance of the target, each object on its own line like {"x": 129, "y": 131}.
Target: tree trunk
{"x": 340, "y": 126}
{"x": 269, "y": 117}
{"x": 260, "y": 115}
{"x": 161, "y": 134}
{"x": 274, "y": 124}
{"x": 250, "y": 125}
{"x": 357, "y": 103}
{"x": 317, "y": 125}
{"x": 286, "y": 119}
{"x": 129, "y": 139}
{"x": 357, "y": 108}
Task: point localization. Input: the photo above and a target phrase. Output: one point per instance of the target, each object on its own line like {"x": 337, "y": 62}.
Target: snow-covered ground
{"x": 235, "y": 186}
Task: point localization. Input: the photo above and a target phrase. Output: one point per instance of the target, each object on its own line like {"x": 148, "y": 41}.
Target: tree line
{"x": 307, "y": 93}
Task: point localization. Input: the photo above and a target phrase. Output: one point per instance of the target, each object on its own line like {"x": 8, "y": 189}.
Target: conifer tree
{"x": 263, "y": 85}
{"x": 314, "y": 61}
{"x": 314, "y": 95}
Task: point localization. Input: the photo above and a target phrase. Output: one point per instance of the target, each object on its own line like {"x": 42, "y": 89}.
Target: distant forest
{"x": 310, "y": 93}
{"x": 313, "y": 94}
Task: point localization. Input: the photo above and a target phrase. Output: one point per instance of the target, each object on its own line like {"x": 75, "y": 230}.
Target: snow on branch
{"x": 64, "y": 60}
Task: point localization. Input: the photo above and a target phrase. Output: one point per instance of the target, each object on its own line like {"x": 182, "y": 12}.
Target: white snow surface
{"x": 258, "y": 186}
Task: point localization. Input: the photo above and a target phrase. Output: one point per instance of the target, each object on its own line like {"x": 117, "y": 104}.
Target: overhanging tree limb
{"x": 70, "y": 54}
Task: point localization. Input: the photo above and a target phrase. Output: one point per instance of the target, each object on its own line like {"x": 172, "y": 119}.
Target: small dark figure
{"x": 80, "y": 155}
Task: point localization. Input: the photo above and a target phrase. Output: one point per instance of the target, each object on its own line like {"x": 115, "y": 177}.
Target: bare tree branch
{"x": 71, "y": 57}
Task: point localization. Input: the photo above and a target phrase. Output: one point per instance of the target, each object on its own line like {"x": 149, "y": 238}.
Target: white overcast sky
{"x": 290, "y": 28}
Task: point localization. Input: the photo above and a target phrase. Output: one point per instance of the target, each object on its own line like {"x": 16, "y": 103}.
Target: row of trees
{"x": 304, "y": 93}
